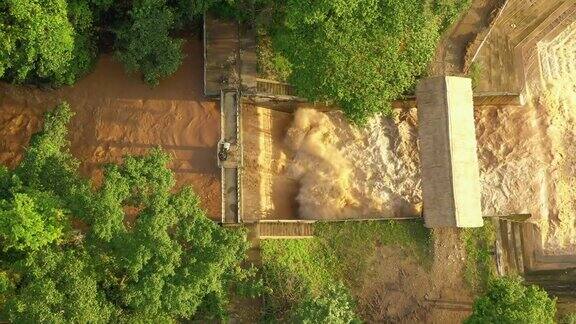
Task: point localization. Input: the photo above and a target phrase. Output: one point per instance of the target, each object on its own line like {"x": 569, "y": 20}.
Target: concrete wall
{"x": 450, "y": 173}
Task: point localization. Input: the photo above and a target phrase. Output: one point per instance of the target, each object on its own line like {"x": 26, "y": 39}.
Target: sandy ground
{"x": 117, "y": 114}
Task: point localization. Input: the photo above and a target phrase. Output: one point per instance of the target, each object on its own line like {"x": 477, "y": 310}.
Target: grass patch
{"x": 355, "y": 241}
{"x": 480, "y": 267}
{"x": 340, "y": 252}
{"x": 271, "y": 64}
{"x": 293, "y": 269}
{"x": 568, "y": 319}
{"x": 475, "y": 73}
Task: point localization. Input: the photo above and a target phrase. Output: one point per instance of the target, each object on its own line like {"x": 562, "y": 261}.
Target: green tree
{"x": 36, "y": 40}
{"x": 81, "y": 16}
{"x": 171, "y": 257}
{"x": 31, "y": 220}
{"x": 57, "y": 286}
{"x": 359, "y": 54}
{"x": 144, "y": 43}
{"x": 141, "y": 251}
{"x": 48, "y": 165}
{"x": 335, "y": 306}
{"x": 55, "y": 41}
{"x": 508, "y": 300}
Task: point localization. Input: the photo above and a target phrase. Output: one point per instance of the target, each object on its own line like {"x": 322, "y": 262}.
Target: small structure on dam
{"x": 448, "y": 153}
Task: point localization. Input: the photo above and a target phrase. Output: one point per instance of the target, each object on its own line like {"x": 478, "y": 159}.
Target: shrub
{"x": 509, "y": 301}
{"x": 480, "y": 266}
{"x": 271, "y": 64}
{"x": 335, "y": 306}
{"x": 144, "y": 44}
{"x": 568, "y": 319}
{"x": 475, "y": 73}
{"x": 449, "y": 10}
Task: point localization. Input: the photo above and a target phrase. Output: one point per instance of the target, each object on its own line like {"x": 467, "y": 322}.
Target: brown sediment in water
{"x": 315, "y": 165}
{"x": 528, "y": 154}
{"x": 344, "y": 171}
{"x": 117, "y": 114}
{"x": 268, "y": 192}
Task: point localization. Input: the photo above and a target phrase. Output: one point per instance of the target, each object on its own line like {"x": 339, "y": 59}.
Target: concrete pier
{"x": 448, "y": 153}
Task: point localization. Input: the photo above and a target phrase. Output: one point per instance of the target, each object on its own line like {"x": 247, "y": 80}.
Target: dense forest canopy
{"x": 132, "y": 249}
{"x": 359, "y": 54}
{"x": 362, "y": 54}
{"x": 57, "y": 41}
{"x": 135, "y": 249}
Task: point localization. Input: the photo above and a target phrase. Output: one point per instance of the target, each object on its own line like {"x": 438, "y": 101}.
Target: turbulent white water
{"x": 556, "y": 106}
{"x": 347, "y": 172}
{"x": 528, "y": 155}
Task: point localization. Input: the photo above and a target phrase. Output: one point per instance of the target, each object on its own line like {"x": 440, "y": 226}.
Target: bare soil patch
{"x": 397, "y": 289}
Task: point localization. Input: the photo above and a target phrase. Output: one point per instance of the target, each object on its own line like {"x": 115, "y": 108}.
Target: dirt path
{"x": 452, "y": 50}
{"x": 399, "y": 290}
{"x": 117, "y": 114}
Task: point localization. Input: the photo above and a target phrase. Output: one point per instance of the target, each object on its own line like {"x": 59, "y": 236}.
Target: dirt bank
{"x": 117, "y": 114}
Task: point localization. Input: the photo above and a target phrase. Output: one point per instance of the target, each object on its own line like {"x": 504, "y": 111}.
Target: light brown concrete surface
{"x": 450, "y": 174}
{"x": 508, "y": 57}
{"x": 231, "y": 174}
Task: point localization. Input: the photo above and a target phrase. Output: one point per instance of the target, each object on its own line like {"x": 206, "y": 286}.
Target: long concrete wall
{"x": 449, "y": 162}
{"x": 231, "y": 168}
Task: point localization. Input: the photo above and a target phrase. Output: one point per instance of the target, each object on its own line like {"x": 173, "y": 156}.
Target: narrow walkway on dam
{"x": 230, "y": 156}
